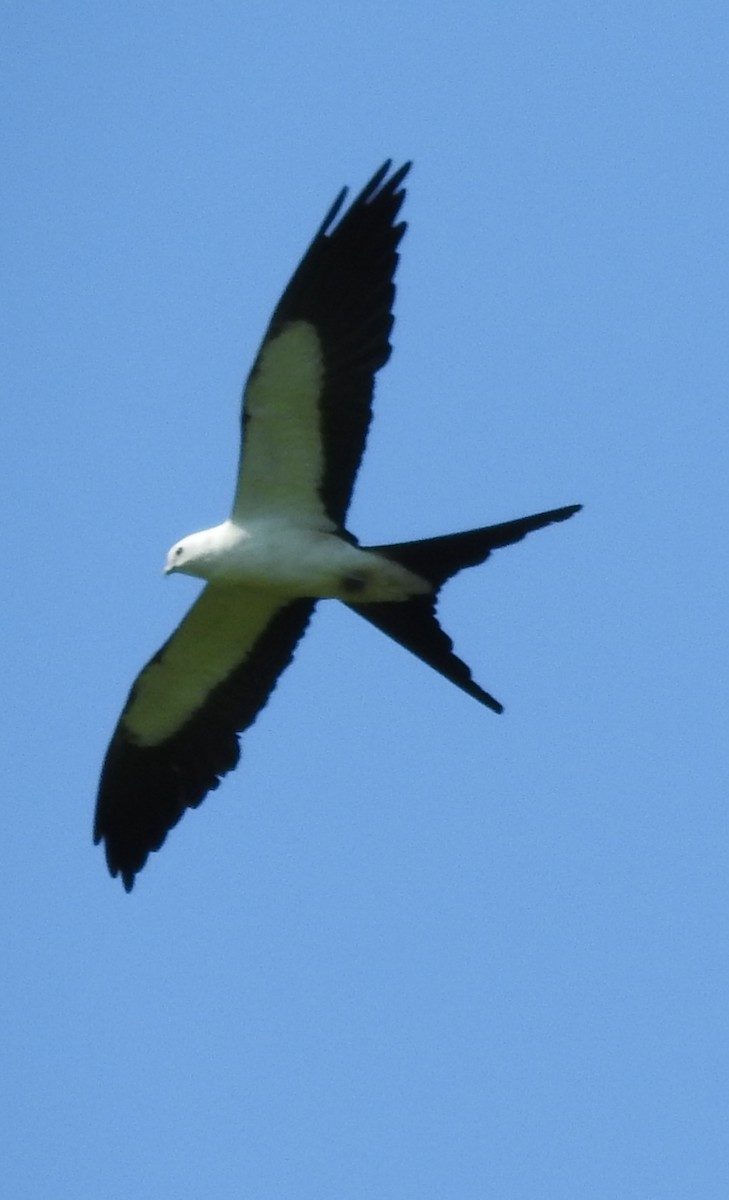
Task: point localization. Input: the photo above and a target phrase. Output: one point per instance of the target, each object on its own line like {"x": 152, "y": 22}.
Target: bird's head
{"x": 191, "y": 555}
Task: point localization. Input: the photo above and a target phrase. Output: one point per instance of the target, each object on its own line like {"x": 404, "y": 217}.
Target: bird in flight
{"x": 306, "y": 409}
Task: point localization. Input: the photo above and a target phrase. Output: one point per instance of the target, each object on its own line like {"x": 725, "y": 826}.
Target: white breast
{"x": 278, "y": 555}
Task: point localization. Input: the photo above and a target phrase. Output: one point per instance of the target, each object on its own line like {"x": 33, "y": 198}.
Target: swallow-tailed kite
{"x": 306, "y": 410}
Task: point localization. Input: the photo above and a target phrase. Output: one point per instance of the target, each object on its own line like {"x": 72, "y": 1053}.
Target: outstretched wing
{"x": 308, "y": 401}
{"x": 177, "y": 735}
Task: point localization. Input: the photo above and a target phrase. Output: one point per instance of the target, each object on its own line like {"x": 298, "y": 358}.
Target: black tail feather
{"x": 414, "y": 625}
{"x": 413, "y": 622}
{"x": 437, "y": 559}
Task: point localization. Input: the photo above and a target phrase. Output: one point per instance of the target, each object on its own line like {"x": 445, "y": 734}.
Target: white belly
{"x": 274, "y": 554}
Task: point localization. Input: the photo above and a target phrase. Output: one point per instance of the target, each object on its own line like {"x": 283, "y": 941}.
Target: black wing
{"x": 308, "y": 401}
{"x": 177, "y": 735}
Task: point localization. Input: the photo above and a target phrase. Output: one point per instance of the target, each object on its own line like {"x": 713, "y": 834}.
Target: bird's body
{"x": 306, "y": 412}
{"x": 292, "y": 560}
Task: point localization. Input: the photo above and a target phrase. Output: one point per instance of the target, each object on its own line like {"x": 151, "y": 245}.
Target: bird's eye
{"x": 178, "y": 551}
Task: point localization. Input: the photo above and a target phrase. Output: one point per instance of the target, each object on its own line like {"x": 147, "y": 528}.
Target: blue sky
{"x": 410, "y": 950}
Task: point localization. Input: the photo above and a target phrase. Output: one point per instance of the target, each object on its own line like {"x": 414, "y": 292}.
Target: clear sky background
{"x": 410, "y": 950}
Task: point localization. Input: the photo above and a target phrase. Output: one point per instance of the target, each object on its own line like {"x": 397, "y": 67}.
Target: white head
{"x": 193, "y": 555}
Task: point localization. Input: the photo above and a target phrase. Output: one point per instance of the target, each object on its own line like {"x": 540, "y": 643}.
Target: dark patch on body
{"x": 355, "y": 583}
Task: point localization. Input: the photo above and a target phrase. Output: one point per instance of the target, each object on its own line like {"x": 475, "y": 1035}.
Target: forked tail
{"x": 413, "y": 623}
